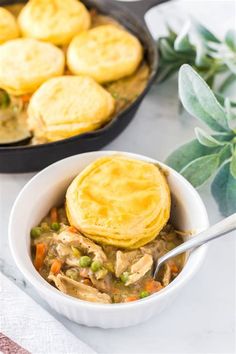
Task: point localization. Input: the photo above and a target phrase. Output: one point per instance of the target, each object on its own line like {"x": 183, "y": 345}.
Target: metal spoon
{"x": 220, "y": 229}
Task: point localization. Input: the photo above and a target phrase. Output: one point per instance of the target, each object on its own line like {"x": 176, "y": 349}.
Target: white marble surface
{"x": 202, "y": 317}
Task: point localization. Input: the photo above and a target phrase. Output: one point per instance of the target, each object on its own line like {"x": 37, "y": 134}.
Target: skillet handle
{"x": 140, "y": 7}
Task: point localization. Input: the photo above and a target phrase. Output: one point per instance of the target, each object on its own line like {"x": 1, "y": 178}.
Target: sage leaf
{"x": 171, "y": 33}
{"x": 198, "y": 99}
{"x": 206, "y": 139}
{"x": 227, "y": 82}
{"x": 221, "y": 100}
{"x": 231, "y": 65}
{"x": 201, "y": 59}
{"x": 225, "y": 153}
{"x": 228, "y": 108}
{"x": 230, "y": 39}
{"x": 166, "y": 50}
{"x": 187, "y": 153}
{"x": 204, "y": 33}
{"x": 233, "y": 165}
{"x": 207, "y": 53}
{"x": 182, "y": 42}
{"x": 223, "y": 190}
{"x": 200, "y": 170}
{"x": 210, "y": 80}
{"x": 224, "y": 137}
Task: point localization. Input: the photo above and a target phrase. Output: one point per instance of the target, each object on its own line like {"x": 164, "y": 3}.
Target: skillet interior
{"x": 34, "y": 157}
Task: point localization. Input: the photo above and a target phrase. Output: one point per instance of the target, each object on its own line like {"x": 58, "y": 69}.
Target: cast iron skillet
{"x": 32, "y": 158}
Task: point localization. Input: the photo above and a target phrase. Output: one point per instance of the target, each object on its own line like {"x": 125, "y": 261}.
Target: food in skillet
{"x": 57, "y": 22}
{"x": 8, "y": 26}
{"x": 26, "y": 63}
{"x": 106, "y": 53}
{"x": 120, "y": 198}
{"x": 67, "y": 106}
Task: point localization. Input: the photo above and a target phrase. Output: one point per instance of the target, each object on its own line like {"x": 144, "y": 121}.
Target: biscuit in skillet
{"x": 26, "y": 63}
{"x": 69, "y": 105}
{"x": 106, "y": 53}
{"x": 8, "y": 26}
{"x": 55, "y": 21}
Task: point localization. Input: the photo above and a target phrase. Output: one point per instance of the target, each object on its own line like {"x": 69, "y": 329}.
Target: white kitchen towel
{"x": 32, "y": 327}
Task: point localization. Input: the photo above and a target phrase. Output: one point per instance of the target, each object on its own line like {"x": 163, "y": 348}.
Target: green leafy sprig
{"x": 209, "y": 155}
{"x": 207, "y": 54}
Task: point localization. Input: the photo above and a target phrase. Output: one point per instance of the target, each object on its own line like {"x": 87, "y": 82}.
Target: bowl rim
{"x": 45, "y": 288}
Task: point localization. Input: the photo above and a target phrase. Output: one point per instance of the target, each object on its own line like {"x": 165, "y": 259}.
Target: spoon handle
{"x": 220, "y": 229}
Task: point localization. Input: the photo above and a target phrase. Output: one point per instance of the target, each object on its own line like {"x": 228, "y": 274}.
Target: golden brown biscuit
{"x": 119, "y": 201}
{"x": 26, "y": 63}
{"x": 55, "y": 21}
{"x": 8, "y": 26}
{"x": 106, "y": 53}
{"x": 67, "y": 106}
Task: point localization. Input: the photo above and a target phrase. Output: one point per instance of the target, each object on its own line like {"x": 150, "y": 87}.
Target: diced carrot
{"x": 56, "y": 266}
{"x": 25, "y": 98}
{"x": 72, "y": 229}
{"x": 86, "y": 282}
{"x": 131, "y": 298}
{"x": 173, "y": 268}
{"x": 39, "y": 256}
{"x": 153, "y": 286}
{"x": 53, "y": 214}
{"x": 115, "y": 291}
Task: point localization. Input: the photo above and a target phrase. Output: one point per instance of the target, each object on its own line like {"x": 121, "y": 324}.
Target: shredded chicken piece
{"x": 166, "y": 278}
{"x": 102, "y": 284}
{"x": 72, "y": 261}
{"x": 77, "y": 240}
{"x": 79, "y": 290}
{"x": 140, "y": 268}
{"x": 63, "y": 250}
{"x": 124, "y": 261}
{"x": 155, "y": 248}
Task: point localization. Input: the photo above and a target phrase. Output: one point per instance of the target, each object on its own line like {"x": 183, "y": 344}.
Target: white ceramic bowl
{"x": 47, "y": 189}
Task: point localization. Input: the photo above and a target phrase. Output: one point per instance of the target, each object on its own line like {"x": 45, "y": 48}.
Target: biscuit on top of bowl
{"x": 119, "y": 201}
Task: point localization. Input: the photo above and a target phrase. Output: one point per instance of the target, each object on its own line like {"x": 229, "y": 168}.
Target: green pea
{"x": 95, "y": 266}
{"x": 4, "y": 99}
{"x": 35, "y": 232}
{"x": 72, "y": 273}
{"x": 55, "y": 226}
{"x": 144, "y": 294}
{"x": 85, "y": 261}
{"x": 124, "y": 277}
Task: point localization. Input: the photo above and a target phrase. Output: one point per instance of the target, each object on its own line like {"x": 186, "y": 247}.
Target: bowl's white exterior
{"x": 47, "y": 189}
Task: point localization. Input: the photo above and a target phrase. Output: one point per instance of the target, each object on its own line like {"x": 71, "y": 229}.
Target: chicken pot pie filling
{"x": 95, "y": 270}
